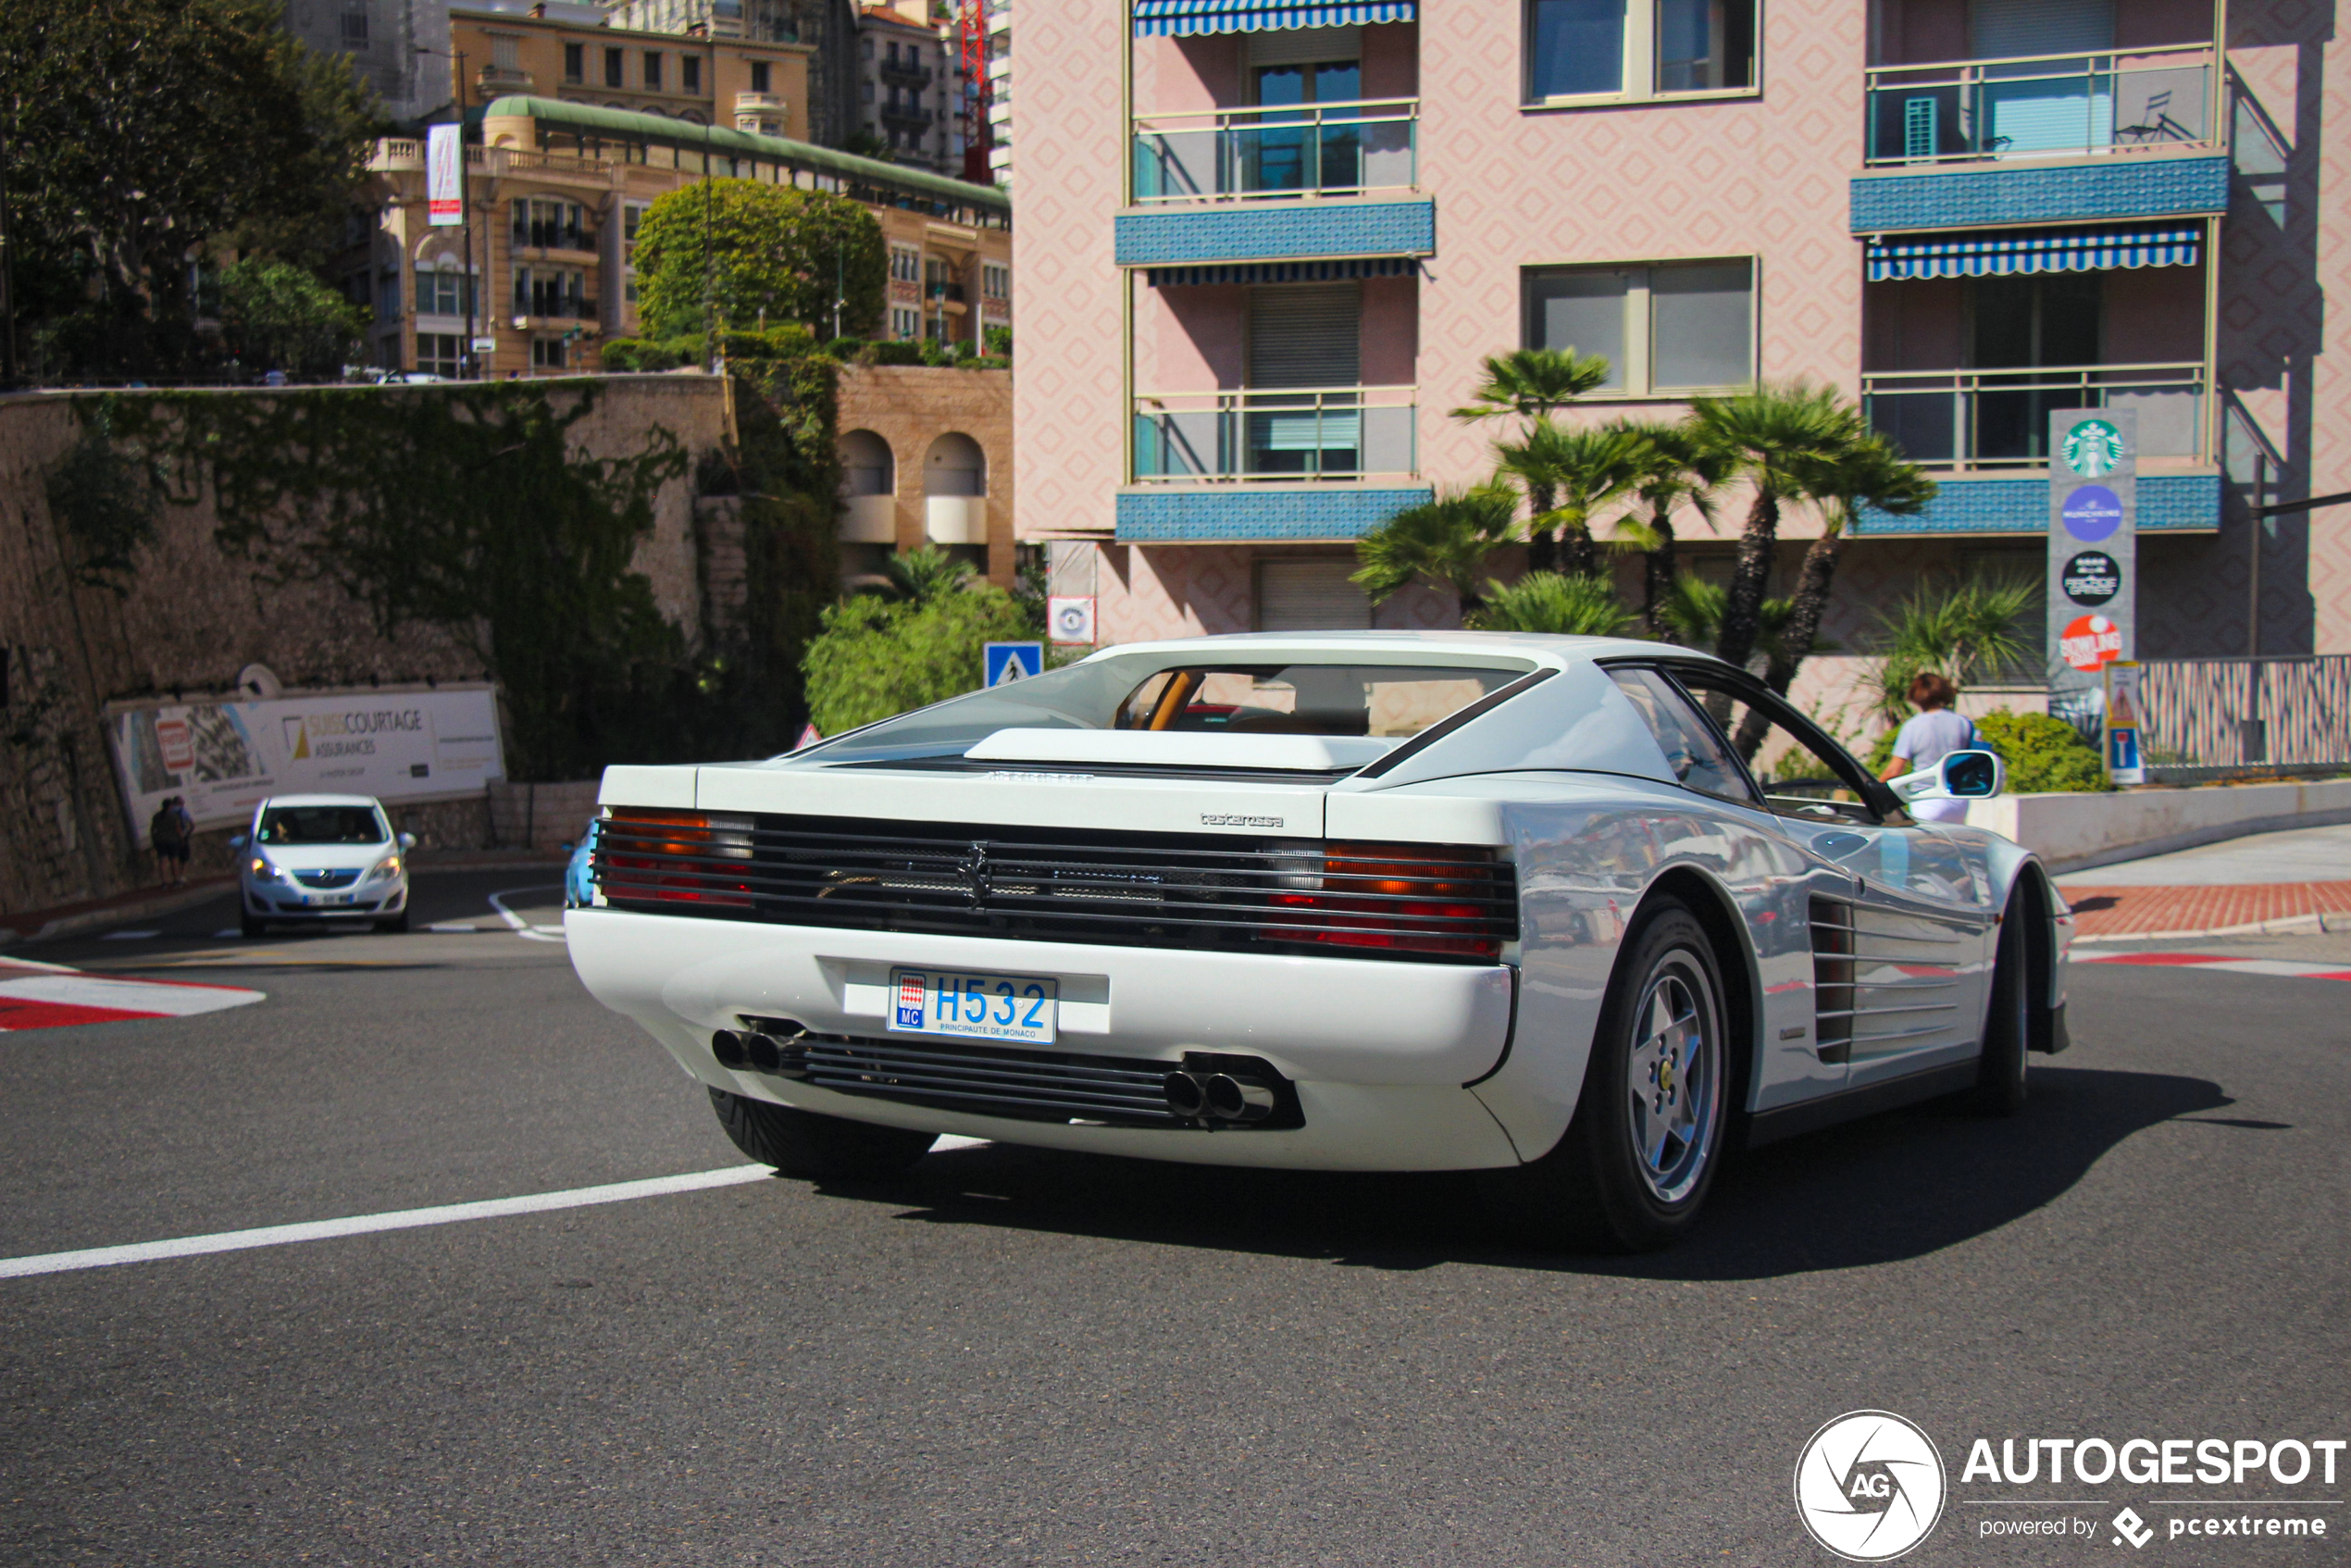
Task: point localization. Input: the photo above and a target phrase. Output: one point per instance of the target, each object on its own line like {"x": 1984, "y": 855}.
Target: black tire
{"x": 1601, "y": 1190}
{"x": 393, "y": 925}
{"x": 253, "y": 924}
{"x": 2008, "y": 1022}
{"x": 802, "y": 1143}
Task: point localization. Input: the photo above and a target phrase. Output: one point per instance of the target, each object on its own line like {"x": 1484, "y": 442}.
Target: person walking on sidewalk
{"x": 1930, "y": 735}
{"x": 168, "y": 831}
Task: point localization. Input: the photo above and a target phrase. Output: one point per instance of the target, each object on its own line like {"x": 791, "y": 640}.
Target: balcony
{"x": 869, "y": 519}
{"x": 1295, "y": 153}
{"x": 1996, "y": 421}
{"x": 2043, "y": 105}
{"x": 497, "y": 80}
{"x": 909, "y": 75}
{"x": 1287, "y": 435}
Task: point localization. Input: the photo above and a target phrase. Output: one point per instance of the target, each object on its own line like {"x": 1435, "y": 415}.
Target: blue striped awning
{"x": 2035, "y": 250}
{"x": 1161, "y": 18}
{"x": 1284, "y": 272}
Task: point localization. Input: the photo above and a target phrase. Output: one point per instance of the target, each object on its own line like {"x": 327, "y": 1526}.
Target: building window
{"x": 387, "y": 295}
{"x": 631, "y": 215}
{"x": 690, "y": 72}
{"x": 1665, "y": 330}
{"x": 1639, "y": 49}
{"x": 866, "y": 92}
{"x": 759, "y": 76}
{"x": 505, "y": 54}
{"x": 576, "y": 62}
{"x": 442, "y": 294}
{"x": 549, "y": 353}
{"x": 550, "y": 225}
{"x": 354, "y": 29}
{"x": 1311, "y": 595}
{"x": 441, "y": 354}
{"x": 906, "y": 263}
{"x": 652, "y": 70}
{"x": 866, "y": 47}
{"x": 996, "y": 281}
{"x": 904, "y": 323}
{"x": 554, "y": 292}
{"x": 612, "y": 73}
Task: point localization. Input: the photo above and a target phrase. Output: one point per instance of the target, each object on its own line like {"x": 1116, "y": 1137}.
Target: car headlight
{"x": 388, "y": 866}
{"x": 262, "y": 871}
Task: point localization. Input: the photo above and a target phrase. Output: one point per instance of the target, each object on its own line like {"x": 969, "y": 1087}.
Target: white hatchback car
{"x": 312, "y": 858}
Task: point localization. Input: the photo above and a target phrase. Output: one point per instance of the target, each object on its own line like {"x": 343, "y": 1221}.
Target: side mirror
{"x": 1960, "y": 776}
{"x": 407, "y": 840}
{"x": 236, "y": 841}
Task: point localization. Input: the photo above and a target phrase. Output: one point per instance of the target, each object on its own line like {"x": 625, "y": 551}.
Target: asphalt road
{"x": 1017, "y": 1357}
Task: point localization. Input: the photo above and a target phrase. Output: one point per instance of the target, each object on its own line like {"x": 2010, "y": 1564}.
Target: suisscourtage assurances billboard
{"x": 223, "y": 758}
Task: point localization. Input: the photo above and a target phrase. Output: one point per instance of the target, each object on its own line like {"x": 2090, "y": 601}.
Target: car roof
{"x": 320, "y": 801}
{"x": 1540, "y": 649}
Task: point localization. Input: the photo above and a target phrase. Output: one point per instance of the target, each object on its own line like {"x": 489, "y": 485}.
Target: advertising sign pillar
{"x": 2093, "y": 557}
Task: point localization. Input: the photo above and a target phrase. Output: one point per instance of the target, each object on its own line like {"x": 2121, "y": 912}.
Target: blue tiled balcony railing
{"x": 1981, "y": 196}
{"x": 1174, "y": 235}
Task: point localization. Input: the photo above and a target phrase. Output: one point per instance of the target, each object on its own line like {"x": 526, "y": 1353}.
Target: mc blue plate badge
{"x": 1015, "y": 1009}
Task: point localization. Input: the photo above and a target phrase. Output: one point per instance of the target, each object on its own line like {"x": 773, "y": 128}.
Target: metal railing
{"x": 1285, "y": 152}
{"x": 1968, "y": 110}
{"x": 2209, "y": 718}
{"x": 2000, "y": 418}
{"x": 1272, "y": 435}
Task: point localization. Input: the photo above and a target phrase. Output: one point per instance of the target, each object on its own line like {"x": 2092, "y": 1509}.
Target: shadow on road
{"x": 1894, "y": 1186}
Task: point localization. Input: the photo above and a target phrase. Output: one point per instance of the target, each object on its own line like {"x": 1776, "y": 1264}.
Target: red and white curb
{"x": 2282, "y": 967}
{"x": 43, "y": 996}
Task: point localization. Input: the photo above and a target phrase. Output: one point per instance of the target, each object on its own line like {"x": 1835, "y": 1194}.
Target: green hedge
{"x": 2043, "y": 754}
{"x": 877, "y": 657}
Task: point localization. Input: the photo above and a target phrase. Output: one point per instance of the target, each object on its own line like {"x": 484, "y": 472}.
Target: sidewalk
{"x": 2297, "y": 880}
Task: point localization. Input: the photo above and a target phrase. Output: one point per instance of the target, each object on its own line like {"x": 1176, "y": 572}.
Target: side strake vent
{"x": 1418, "y": 901}
{"x": 1833, "y": 981}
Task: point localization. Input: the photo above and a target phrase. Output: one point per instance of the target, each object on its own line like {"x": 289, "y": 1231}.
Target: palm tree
{"x": 1570, "y": 475}
{"x": 1531, "y": 384}
{"x": 1692, "y": 616}
{"x": 1445, "y": 540}
{"x": 1768, "y": 436}
{"x": 1869, "y": 472}
{"x": 1956, "y": 628}
{"x": 923, "y": 574}
{"x": 1554, "y": 603}
{"x": 1682, "y": 472}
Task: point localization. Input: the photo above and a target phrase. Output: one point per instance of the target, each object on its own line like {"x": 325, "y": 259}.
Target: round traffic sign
{"x": 2091, "y": 578}
{"x": 2090, "y": 643}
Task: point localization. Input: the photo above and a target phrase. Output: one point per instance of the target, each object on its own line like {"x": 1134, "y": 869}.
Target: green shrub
{"x": 1553, "y": 603}
{"x": 875, "y": 657}
{"x": 2043, "y": 754}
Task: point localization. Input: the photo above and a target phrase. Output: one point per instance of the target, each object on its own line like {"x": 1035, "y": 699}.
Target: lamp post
{"x": 468, "y": 360}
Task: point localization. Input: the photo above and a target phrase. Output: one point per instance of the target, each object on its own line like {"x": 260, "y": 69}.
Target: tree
{"x": 273, "y": 314}
{"x": 1445, "y": 540}
{"x": 1553, "y": 603}
{"x": 1680, "y": 470}
{"x": 1692, "y": 616}
{"x": 754, "y": 252}
{"x": 1869, "y": 472}
{"x": 140, "y": 130}
{"x": 1530, "y": 384}
{"x": 1958, "y": 628}
{"x": 923, "y": 574}
{"x": 1768, "y": 436}
{"x": 876, "y": 657}
{"x": 1570, "y": 477}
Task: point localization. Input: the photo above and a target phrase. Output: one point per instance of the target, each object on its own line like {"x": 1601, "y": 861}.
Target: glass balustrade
{"x": 2000, "y": 418}
{"x": 1968, "y": 110}
{"x": 1291, "y": 152}
{"x": 1276, "y": 435}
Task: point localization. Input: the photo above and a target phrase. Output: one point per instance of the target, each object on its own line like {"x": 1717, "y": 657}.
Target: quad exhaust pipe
{"x": 752, "y": 1050}
{"x": 1218, "y": 1097}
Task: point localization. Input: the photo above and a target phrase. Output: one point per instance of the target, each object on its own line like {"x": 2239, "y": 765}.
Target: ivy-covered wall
{"x": 541, "y": 534}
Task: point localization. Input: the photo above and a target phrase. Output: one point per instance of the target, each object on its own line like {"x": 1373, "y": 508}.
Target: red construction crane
{"x": 971, "y": 18}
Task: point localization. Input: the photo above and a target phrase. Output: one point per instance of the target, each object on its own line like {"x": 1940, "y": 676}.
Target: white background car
{"x": 312, "y": 858}
{"x": 1577, "y": 913}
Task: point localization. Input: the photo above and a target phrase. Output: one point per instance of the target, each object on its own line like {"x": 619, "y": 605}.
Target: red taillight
{"x": 674, "y": 857}
{"x": 1403, "y": 897}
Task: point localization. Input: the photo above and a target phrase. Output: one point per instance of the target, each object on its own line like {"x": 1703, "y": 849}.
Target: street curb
{"x": 2291, "y": 926}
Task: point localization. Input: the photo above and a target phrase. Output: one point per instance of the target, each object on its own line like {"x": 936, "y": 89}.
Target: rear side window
{"x": 1692, "y": 749}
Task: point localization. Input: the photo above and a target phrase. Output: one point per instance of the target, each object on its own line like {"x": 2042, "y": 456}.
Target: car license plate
{"x": 1017, "y": 1008}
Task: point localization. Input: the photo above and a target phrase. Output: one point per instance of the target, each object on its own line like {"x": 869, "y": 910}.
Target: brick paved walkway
{"x": 2152, "y": 912}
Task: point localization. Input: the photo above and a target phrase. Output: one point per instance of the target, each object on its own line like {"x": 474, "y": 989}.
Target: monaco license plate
{"x": 1017, "y": 1008}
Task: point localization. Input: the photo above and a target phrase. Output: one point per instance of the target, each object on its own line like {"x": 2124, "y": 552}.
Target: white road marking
{"x": 135, "y": 999}
{"x": 949, "y": 1142}
{"x": 362, "y": 1225}
{"x": 128, "y": 936}
{"x": 520, "y": 927}
{"x": 455, "y": 928}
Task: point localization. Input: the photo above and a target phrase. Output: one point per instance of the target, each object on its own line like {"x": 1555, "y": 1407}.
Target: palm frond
{"x": 1555, "y": 604}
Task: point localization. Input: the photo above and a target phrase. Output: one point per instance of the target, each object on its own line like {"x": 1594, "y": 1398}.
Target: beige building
{"x": 751, "y": 84}
{"x": 927, "y": 459}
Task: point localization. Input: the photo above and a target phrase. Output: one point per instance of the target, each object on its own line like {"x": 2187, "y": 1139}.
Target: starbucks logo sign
{"x": 2092, "y": 448}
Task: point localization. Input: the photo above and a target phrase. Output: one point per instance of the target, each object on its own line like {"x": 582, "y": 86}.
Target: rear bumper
{"x": 1378, "y": 1051}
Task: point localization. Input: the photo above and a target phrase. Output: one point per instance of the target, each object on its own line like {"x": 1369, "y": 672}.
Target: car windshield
{"x": 322, "y": 825}
{"x": 1388, "y": 699}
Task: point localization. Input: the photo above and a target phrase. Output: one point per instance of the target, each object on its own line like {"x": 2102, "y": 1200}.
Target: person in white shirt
{"x": 1930, "y": 735}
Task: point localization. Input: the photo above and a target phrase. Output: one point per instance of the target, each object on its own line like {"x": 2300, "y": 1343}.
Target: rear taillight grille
{"x": 1373, "y": 901}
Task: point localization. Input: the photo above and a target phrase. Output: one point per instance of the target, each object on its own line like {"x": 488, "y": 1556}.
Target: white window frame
{"x": 1640, "y": 325}
{"x": 1639, "y": 69}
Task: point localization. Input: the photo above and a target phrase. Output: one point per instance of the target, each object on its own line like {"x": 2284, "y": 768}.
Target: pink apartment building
{"x": 1263, "y": 245}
